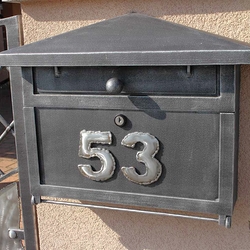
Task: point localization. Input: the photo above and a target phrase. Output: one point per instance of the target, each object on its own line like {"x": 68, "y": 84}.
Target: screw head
{"x": 12, "y": 234}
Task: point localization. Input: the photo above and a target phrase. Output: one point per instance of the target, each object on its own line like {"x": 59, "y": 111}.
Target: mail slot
{"x": 136, "y": 80}
{"x": 132, "y": 112}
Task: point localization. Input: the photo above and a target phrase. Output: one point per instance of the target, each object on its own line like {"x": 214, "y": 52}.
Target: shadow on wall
{"x": 140, "y": 231}
{"x": 97, "y": 10}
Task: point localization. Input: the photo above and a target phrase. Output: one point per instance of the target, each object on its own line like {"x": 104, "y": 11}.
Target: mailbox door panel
{"x": 189, "y": 150}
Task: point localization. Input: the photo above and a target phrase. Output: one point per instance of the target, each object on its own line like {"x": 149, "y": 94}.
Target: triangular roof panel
{"x": 132, "y": 39}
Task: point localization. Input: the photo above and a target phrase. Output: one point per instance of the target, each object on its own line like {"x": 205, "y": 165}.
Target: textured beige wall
{"x": 78, "y": 228}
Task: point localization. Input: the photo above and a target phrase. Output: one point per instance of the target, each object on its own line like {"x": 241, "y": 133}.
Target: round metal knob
{"x": 12, "y": 234}
{"x": 114, "y": 86}
{"x": 120, "y": 120}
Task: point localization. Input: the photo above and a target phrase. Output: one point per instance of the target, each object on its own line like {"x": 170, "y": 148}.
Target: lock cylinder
{"x": 120, "y": 120}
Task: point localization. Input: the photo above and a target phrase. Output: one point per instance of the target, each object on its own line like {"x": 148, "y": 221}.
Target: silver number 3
{"x": 151, "y": 147}
{"x": 153, "y": 166}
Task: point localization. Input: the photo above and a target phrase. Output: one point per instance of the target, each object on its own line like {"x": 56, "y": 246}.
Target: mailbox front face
{"x": 188, "y": 150}
{"x": 166, "y": 141}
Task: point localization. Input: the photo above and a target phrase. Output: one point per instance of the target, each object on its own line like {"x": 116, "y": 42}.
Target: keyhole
{"x": 120, "y": 120}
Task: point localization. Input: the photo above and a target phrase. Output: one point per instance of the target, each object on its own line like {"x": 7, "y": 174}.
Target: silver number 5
{"x": 153, "y": 166}
{"x": 108, "y": 163}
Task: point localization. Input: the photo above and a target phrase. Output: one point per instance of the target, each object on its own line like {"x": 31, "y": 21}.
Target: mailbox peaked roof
{"x": 132, "y": 39}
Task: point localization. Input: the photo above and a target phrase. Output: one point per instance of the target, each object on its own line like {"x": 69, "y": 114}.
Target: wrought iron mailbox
{"x": 131, "y": 111}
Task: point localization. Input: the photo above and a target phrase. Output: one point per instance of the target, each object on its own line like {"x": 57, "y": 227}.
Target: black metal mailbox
{"x": 131, "y": 91}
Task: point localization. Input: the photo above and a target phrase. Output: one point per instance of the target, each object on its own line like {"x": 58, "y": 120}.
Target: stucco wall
{"x": 77, "y": 228}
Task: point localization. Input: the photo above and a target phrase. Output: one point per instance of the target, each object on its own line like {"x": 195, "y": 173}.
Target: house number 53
{"x": 151, "y": 147}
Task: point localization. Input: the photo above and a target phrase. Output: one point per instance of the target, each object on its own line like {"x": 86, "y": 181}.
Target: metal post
{"x": 13, "y": 29}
